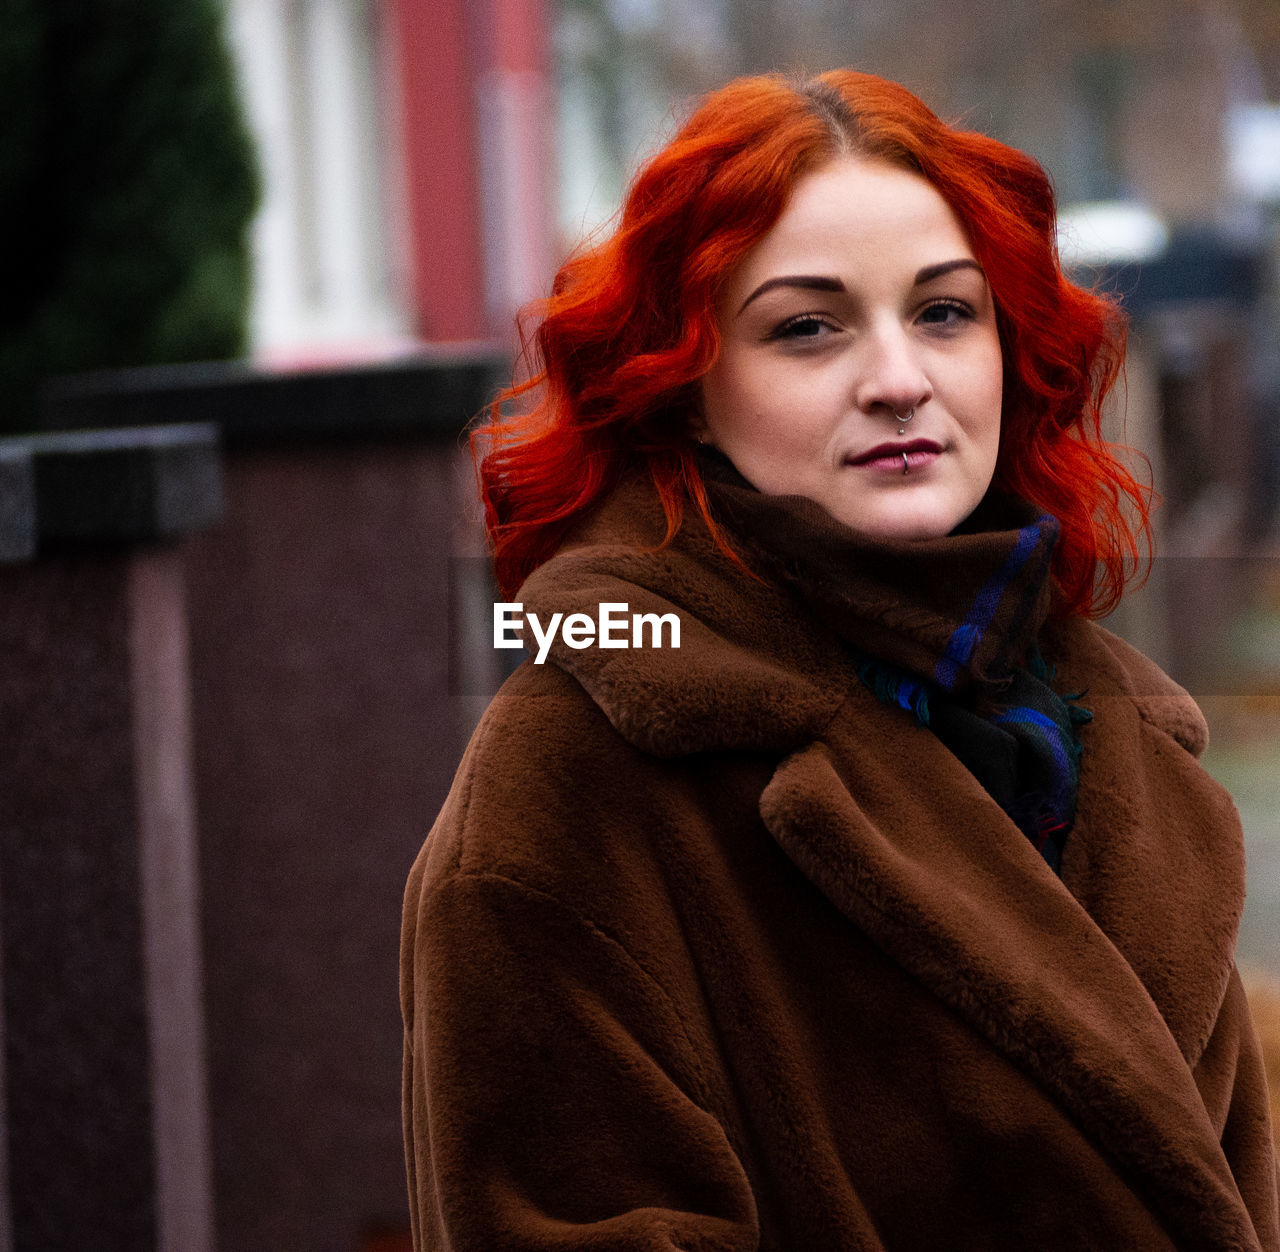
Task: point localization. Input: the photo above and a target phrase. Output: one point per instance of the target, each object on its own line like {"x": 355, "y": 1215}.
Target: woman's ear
{"x": 695, "y": 420}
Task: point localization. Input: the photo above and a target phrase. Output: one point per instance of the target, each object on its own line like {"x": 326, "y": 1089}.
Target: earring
{"x": 902, "y": 421}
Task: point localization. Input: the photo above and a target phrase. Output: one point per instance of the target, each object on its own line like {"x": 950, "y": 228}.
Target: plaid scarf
{"x": 945, "y": 629}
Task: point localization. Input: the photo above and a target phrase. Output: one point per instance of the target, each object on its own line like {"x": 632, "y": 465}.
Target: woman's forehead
{"x": 856, "y": 215}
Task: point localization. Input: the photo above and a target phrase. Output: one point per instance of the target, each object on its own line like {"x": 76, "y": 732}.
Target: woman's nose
{"x": 891, "y": 375}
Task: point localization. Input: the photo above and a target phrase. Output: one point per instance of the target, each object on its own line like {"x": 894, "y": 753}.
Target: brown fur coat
{"x": 711, "y": 949}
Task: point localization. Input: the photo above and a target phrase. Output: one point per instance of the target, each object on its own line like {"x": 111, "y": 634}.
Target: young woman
{"x": 891, "y": 909}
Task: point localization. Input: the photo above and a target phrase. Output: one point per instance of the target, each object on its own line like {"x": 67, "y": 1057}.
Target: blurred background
{"x": 265, "y": 261}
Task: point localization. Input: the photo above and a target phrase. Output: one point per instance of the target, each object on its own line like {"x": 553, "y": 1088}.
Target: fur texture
{"x": 711, "y": 949}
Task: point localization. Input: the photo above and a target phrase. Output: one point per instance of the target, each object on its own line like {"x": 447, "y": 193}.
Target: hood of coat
{"x": 755, "y": 669}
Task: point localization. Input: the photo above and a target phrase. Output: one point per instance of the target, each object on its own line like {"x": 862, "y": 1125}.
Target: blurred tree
{"x": 127, "y": 183}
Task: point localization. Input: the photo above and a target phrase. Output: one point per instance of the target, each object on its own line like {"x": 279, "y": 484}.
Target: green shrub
{"x": 128, "y": 182}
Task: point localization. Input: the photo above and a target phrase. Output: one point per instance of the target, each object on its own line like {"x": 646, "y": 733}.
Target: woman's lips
{"x": 888, "y": 457}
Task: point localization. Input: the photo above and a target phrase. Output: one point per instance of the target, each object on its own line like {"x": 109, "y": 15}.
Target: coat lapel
{"x": 1153, "y": 828}
{"x": 898, "y": 836}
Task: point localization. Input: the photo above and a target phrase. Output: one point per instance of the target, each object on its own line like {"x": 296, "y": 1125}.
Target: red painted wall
{"x": 442, "y": 50}
{"x": 435, "y": 79}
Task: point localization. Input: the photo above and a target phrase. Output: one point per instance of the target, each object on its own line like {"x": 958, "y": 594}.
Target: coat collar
{"x": 1083, "y": 981}
{"x": 751, "y": 673}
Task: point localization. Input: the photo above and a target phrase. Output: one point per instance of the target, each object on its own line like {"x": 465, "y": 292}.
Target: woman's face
{"x": 863, "y": 303}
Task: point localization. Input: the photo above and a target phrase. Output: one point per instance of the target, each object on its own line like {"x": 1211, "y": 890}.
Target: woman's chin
{"x": 904, "y": 525}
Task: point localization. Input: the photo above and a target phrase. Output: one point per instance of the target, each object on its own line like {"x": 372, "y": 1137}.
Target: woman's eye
{"x": 807, "y": 326}
{"x": 946, "y": 313}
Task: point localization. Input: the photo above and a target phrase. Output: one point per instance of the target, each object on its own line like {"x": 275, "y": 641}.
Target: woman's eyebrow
{"x": 930, "y": 272}
{"x": 809, "y": 282}
{"x": 821, "y": 282}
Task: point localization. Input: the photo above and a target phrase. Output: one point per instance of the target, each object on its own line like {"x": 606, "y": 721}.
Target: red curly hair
{"x": 630, "y": 327}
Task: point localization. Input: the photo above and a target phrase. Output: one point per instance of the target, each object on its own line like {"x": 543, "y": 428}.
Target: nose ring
{"x": 902, "y": 421}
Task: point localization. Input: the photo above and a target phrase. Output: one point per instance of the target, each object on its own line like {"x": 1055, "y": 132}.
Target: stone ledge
{"x": 107, "y": 486}
{"x": 431, "y": 394}
{"x": 17, "y": 503}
